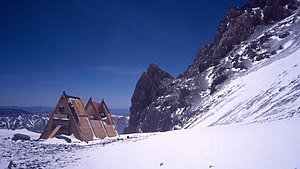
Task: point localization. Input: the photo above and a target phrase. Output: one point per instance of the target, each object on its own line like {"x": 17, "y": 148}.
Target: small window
{"x": 61, "y": 109}
{"x": 102, "y": 114}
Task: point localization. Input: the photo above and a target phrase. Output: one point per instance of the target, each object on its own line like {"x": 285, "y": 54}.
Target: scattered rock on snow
{"x": 19, "y": 136}
{"x": 11, "y": 165}
{"x": 68, "y": 140}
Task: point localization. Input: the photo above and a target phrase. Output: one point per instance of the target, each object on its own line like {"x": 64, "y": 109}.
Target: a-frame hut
{"x": 85, "y": 123}
{"x": 101, "y": 119}
{"x": 69, "y": 117}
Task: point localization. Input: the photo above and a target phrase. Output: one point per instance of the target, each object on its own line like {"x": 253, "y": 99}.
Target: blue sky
{"x": 97, "y": 48}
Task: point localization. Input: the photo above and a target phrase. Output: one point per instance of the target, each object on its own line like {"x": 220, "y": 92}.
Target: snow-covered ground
{"x": 273, "y": 145}
{"x": 269, "y": 91}
{"x": 33, "y": 153}
{"x": 52, "y": 153}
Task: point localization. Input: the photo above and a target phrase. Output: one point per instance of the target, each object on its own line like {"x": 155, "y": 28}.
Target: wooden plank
{"x": 85, "y": 129}
{"x": 111, "y": 131}
{"x": 98, "y": 129}
{"x": 54, "y": 131}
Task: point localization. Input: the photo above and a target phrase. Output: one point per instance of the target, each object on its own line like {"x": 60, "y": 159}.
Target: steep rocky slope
{"x": 257, "y": 32}
{"x": 151, "y": 85}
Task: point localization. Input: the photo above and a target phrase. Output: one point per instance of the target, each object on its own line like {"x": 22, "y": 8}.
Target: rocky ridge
{"x": 247, "y": 35}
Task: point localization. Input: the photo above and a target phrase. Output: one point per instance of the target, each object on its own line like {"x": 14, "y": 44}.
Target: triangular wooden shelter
{"x": 70, "y": 117}
{"x": 101, "y": 119}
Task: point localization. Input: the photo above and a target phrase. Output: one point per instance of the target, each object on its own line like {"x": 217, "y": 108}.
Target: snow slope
{"x": 52, "y": 153}
{"x": 269, "y": 91}
{"x": 273, "y": 145}
{"x": 251, "y": 123}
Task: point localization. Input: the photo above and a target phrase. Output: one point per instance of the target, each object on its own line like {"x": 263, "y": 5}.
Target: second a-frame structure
{"x": 70, "y": 117}
{"x": 100, "y": 118}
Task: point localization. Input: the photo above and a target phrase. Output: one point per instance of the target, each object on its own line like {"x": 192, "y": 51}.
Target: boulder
{"x": 19, "y": 136}
{"x": 68, "y": 140}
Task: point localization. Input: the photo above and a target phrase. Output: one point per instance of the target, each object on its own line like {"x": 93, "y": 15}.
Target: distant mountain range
{"x": 121, "y": 112}
{"x": 17, "y": 119}
{"x": 32, "y": 109}
{"x": 36, "y": 118}
{"x": 43, "y": 109}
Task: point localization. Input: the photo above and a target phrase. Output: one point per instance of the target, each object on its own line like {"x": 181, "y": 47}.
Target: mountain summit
{"x": 249, "y": 37}
{"x": 149, "y": 87}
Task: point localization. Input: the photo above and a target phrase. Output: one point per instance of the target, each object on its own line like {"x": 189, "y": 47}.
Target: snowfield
{"x": 274, "y": 145}
{"x": 268, "y": 91}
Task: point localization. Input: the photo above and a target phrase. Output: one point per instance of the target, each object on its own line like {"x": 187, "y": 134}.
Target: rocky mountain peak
{"x": 148, "y": 88}
{"x": 153, "y": 67}
{"x": 161, "y": 103}
{"x": 238, "y": 25}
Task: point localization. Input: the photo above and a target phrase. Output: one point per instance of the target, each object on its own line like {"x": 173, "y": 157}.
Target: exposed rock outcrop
{"x": 148, "y": 88}
{"x": 237, "y": 26}
{"x": 165, "y": 103}
{"x": 19, "y": 136}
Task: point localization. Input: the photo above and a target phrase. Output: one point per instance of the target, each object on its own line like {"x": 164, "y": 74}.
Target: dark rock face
{"x": 238, "y": 25}
{"x": 148, "y": 88}
{"x": 276, "y": 10}
{"x": 160, "y": 103}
